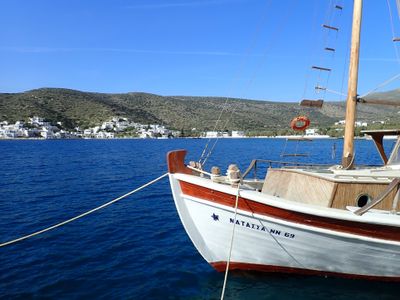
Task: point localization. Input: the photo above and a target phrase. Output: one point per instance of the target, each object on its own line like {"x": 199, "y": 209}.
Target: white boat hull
{"x": 267, "y": 240}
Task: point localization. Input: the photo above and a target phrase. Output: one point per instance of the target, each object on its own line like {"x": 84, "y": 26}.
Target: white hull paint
{"x": 280, "y": 244}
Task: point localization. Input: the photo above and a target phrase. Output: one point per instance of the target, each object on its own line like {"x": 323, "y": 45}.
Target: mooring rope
{"x": 231, "y": 246}
{"x": 84, "y": 214}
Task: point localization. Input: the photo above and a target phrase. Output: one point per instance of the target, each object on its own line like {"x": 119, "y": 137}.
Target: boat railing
{"x": 255, "y": 166}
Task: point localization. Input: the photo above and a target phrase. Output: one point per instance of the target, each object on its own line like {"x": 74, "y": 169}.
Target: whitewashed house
{"x": 212, "y": 134}
{"x": 238, "y": 134}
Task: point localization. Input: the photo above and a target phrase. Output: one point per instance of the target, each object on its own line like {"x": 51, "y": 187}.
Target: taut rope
{"x": 84, "y": 214}
{"x": 231, "y": 246}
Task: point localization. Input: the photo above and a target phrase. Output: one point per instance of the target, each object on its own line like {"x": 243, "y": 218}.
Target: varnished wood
{"x": 312, "y": 103}
{"x": 389, "y": 189}
{"x": 379, "y": 101}
{"x": 298, "y": 187}
{"x": 176, "y": 162}
{"x": 348, "y": 144}
{"x": 347, "y": 194}
{"x": 377, "y": 136}
{"x": 311, "y": 189}
{"x": 378, "y": 139}
{"x": 333, "y": 194}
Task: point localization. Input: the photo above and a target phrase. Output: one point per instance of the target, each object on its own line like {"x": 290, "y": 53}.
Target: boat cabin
{"x": 336, "y": 187}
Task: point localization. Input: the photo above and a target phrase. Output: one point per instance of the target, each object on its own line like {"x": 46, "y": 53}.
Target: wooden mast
{"x": 348, "y": 144}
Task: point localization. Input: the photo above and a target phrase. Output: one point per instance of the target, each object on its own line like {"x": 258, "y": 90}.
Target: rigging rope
{"x": 276, "y": 34}
{"x": 344, "y": 71}
{"x": 231, "y": 246}
{"x": 84, "y": 214}
{"x": 322, "y": 78}
{"x": 392, "y": 27}
{"x": 395, "y": 48}
{"x": 225, "y": 107}
{"x": 398, "y": 7}
{"x": 381, "y": 85}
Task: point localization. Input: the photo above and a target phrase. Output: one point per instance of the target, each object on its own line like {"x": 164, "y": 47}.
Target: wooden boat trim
{"x": 333, "y": 195}
{"x": 378, "y": 139}
{"x": 176, "y": 162}
{"x": 285, "y": 204}
{"x": 377, "y": 231}
{"x": 344, "y": 178}
{"x": 220, "y": 266}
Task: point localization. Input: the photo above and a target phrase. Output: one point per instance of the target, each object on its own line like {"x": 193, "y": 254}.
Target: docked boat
{"x": 339, "y": 220}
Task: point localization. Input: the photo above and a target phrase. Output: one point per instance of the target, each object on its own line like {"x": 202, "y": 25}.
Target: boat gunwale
{"x": 371, "y": 217}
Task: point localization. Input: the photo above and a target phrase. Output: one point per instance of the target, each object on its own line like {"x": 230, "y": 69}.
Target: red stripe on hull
{"x": 369, "y": 230}
{"x": 221, "y": 266}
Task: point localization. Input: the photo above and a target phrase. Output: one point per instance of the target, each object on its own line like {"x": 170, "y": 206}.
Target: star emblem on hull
{"x": 215, "y": 217}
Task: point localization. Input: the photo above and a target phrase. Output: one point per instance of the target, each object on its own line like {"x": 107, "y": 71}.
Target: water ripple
{"x": 138, "y": 247}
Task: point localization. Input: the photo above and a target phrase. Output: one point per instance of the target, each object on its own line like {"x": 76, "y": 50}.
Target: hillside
{"x": 76, "y": 108}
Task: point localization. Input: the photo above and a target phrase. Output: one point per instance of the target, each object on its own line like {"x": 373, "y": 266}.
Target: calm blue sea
{"x": 136, "y": 248}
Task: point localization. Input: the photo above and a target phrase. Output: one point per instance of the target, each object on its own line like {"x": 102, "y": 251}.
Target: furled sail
{"x": 386, "y": 98}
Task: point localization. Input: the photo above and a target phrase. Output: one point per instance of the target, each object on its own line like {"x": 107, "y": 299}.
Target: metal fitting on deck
{"x": 198, "y": 166}
{"x": 215, "y": 173}
{"x": 233, "y": 174}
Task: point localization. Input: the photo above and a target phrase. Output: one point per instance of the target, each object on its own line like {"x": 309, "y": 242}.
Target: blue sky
{"x": 258, "y": 49}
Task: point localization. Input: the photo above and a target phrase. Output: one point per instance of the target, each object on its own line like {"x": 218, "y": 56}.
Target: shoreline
{"x": 294, "y": 137}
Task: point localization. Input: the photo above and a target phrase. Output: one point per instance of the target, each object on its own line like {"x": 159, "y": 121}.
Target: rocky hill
{"x": 76, "y": 108}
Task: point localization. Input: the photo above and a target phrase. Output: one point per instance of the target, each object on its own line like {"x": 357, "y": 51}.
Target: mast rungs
{"x": 396, "y": 39}
{"x": 339, "y": 7}
{"x": 330, "y": 27}
{"x": 321, "y": 68}
{"x": 312, "y": 103}
{"x": 330, "y": 49}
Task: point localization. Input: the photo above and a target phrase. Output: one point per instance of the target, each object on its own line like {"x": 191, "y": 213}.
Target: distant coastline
{"x": 190, "y": 115}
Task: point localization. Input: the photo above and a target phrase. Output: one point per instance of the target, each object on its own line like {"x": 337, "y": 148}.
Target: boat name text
{"x": 262, "y": 228}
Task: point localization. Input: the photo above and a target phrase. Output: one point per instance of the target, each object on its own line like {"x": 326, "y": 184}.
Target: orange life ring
{"x": 300, "y": 123}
